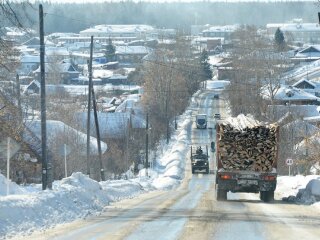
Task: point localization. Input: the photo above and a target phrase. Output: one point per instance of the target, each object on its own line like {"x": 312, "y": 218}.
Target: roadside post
{"x": 8, "y": 165}
{"x": 64, "y": 150}
{"x": 65, "y": 160}
{"x": 289, "y": 162}
{"x": 8, "y": 148}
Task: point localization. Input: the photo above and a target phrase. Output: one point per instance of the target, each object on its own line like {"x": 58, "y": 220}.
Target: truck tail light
{"x": 269, "y": 178}
{"x": 225, "y": 176}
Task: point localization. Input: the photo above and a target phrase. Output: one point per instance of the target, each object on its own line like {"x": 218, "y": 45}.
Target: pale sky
{"x": 100, "y": 1}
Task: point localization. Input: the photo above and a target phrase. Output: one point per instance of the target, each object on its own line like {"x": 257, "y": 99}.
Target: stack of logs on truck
{"x": 247, "y": 153}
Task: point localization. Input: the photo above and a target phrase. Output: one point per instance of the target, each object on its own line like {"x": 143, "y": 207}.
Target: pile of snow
{"x": 299, "y": 189}
{"x": 13, "y": 187}
{"x": 71, "y": 198}
{"x": 172, "y": 164}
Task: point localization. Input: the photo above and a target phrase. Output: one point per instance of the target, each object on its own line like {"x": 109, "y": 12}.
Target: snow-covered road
{"x": 190, "y": 211}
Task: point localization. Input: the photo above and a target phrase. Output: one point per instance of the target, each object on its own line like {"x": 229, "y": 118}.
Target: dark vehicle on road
{"x": 201, "y": 121}
{"x": 199, "y": 159}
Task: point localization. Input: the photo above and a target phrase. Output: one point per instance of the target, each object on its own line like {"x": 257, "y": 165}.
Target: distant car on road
{"x": 201, "y": 121}
{"x": 217, "y": 116}
{"x": 216, "y": 96}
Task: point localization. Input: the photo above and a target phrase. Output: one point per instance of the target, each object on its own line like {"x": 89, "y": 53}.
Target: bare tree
{"x": 11, "y": 14}
{"x": 257, "y": 70}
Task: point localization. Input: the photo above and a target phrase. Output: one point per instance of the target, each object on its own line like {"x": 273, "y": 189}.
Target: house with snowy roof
{"x": 35, "y": 43}
{"x": 140, "y": 31}
{"x": 310, "y": 71}
{"x": 34, "y": 88}
{"x": 297, "y": 30}
{"x": 113, "y": 125}
{"x": 308, "y": 86}
{"x": 60, "y": 73}
{"x": 131, "y": 55}
{"x": 289, "y": 95}
{"x": 310, "y": 53}
{"x": 28, "y": 63}
{"x": 222, "y": 32}
{"x": 17, "y": 35}
{"x": 65, "y": 141}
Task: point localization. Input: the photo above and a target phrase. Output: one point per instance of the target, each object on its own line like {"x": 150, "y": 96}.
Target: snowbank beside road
{"x": 299, "y": 189}
{"x": 29, "y": 208}
{"x": 172, "y": 164}
{"x": 74, "y": 197}
{"x": 13, "y": 187}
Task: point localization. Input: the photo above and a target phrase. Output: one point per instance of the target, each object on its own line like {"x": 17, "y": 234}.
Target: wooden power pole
{"x": 89, "y": 106}
{"x": 45, "y": 170}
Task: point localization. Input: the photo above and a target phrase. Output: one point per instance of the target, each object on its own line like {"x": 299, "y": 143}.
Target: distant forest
{"x": 77, "y": 17}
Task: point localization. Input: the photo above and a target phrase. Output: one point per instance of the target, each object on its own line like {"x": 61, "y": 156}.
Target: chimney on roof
{"x": 289, "y": 92}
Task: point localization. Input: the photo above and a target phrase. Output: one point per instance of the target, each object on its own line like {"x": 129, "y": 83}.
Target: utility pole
{"x": 89, "y": 107}
{"x": 45, "y": 164}
{"x": 147, "y": 144}
{"x": 175, "y": 123}
{"x": 167, "y": 119}
{"x": 127, "y": 139}
{"x": 19, "y": 96}
{"x": 102, "y": 177}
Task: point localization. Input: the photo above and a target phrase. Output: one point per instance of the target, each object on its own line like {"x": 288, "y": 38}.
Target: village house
{"x": 34, "y": 43}
{"x": 113, "y": 125}
{"x": 65, "y": 140}
{"x": 60, "y": 73}
{"x": 307, "y": 54}
{"x": 223, "y": 32}
{"x": 308, "y": 86}
{"x": 297, "y": 31}
{"x": 131, "y": 55}
{"x": 28, "y": 64}
{"x": 138, "y": 31}
{"x": 289, "y": 95}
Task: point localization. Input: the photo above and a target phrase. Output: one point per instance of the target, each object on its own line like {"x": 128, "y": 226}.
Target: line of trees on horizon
{"x": 71, "y": 17}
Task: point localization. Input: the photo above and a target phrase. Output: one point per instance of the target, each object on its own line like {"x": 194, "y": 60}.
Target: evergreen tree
{"x": 279, "y": 40}
{"x": 110, "y": 51}
{"x": 205, "y": 65}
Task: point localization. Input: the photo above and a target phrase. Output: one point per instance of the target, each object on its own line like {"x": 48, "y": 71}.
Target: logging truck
{"x": 246, "y": 157}
{"x": 199, "y": 159}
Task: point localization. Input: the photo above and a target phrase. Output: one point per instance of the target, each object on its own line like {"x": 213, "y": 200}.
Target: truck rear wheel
{"x": 221, "y": 195}
{"x": 267, "y": 196}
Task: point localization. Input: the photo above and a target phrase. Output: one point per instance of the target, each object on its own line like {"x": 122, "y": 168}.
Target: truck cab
{"x": 201, "y": 121}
